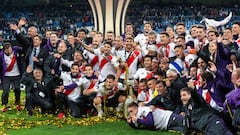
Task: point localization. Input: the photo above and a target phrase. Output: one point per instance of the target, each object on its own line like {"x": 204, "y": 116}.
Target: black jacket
{"x": 199, "y": 111}
{"x": 167, "y": 101}
{"x": 27, "y": 45}
{"x": 31, "y": 86}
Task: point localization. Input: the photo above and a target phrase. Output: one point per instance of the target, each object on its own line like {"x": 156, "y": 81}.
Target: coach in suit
{"x": 36, "y": 54}
{"x": 29, "y": 54}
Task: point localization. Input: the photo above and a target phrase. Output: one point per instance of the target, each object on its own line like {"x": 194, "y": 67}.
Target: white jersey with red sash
{"x": 101, "y": 90}
{"x": 107, "y": 65}
{"x": 197, "y": 82}
{"x": 205, "y": 93}
{"x": 11, "y": 65}
{"x": 167, "y": 51}
{"x": 142, "y": 73}
{"x": 88, "y": 82}
{"x": 131, "y": 59}
{"x": 71, "y": 85}
{"x": 82, "y": 69}
{"x": 92, "y": 59}
{"x": 83, "y": 83}
{"x": 145, "y": 96}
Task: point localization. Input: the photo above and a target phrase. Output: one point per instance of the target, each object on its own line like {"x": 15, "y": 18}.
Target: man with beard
{"x": 142, "y": 38}
{"x": 108, "y": 64}
{"x": 129, "y": 58}
{"x": 74, "y": 84}
{"x": 108, "y": 94}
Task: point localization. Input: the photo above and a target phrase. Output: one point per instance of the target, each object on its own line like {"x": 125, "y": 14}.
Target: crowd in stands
{"x": 167, "y": 80}
{"x": 71, "y": 18}
{"x": 64, "y": 20}
{"x": 170, "y": 15}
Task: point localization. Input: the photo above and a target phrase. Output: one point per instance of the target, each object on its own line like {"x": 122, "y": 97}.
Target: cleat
{"x": 4, "y": 109}
{"x": 30, "y": 113}
{"x": 61, "y": 115}
{"x": 100, "y": 114}
{"x": 18, "y": 108}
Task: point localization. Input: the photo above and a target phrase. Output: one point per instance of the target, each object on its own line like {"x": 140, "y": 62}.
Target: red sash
{"x": 94, "y": 61}
{"x": 10, "y": 67}
{"x": 186, "y": 64}
{"x": 167, "y": 50}
{"x": 104, "y": 61}
{"x": 238, "y": 41}
{"x": 139, "y": 90}
{"x": 81, "y": 69}
{"x": 92, "y": 84}
{"x": 197, "y": 83}
{"x": 235, "y": 63}
{"x": 149, "y": 75}
{"x": 158, "y": 46}
{"x": 131, "y": 59}
{"x": 208, "y": 97}
{"x": 67, "y": 92}
{"x": 147, "y": 95}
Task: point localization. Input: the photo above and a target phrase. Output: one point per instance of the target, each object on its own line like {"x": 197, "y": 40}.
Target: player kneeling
{"x": 108, "y": 90}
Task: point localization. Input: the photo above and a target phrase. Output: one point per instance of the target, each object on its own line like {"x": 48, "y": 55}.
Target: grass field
{"x": 116, "y": 128}
{"x": 18, "y": 123}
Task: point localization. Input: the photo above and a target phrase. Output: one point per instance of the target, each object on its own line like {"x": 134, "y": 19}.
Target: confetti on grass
{"x": 48, "y": 119}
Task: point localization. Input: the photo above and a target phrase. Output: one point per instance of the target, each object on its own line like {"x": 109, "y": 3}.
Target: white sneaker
{"x": 119, "y": 108}
{"x": 100, "y": 114}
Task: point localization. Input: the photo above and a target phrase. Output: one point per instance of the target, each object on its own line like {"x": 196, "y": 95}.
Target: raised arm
{"x": 66, "y": 62}
{"x": 20, "y": 38}
{"x": 222, "y": 51}
{"x": 87, "y": 47}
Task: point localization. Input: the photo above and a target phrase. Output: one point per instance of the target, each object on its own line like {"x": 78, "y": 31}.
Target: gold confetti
{"x": 39, "y": 119}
